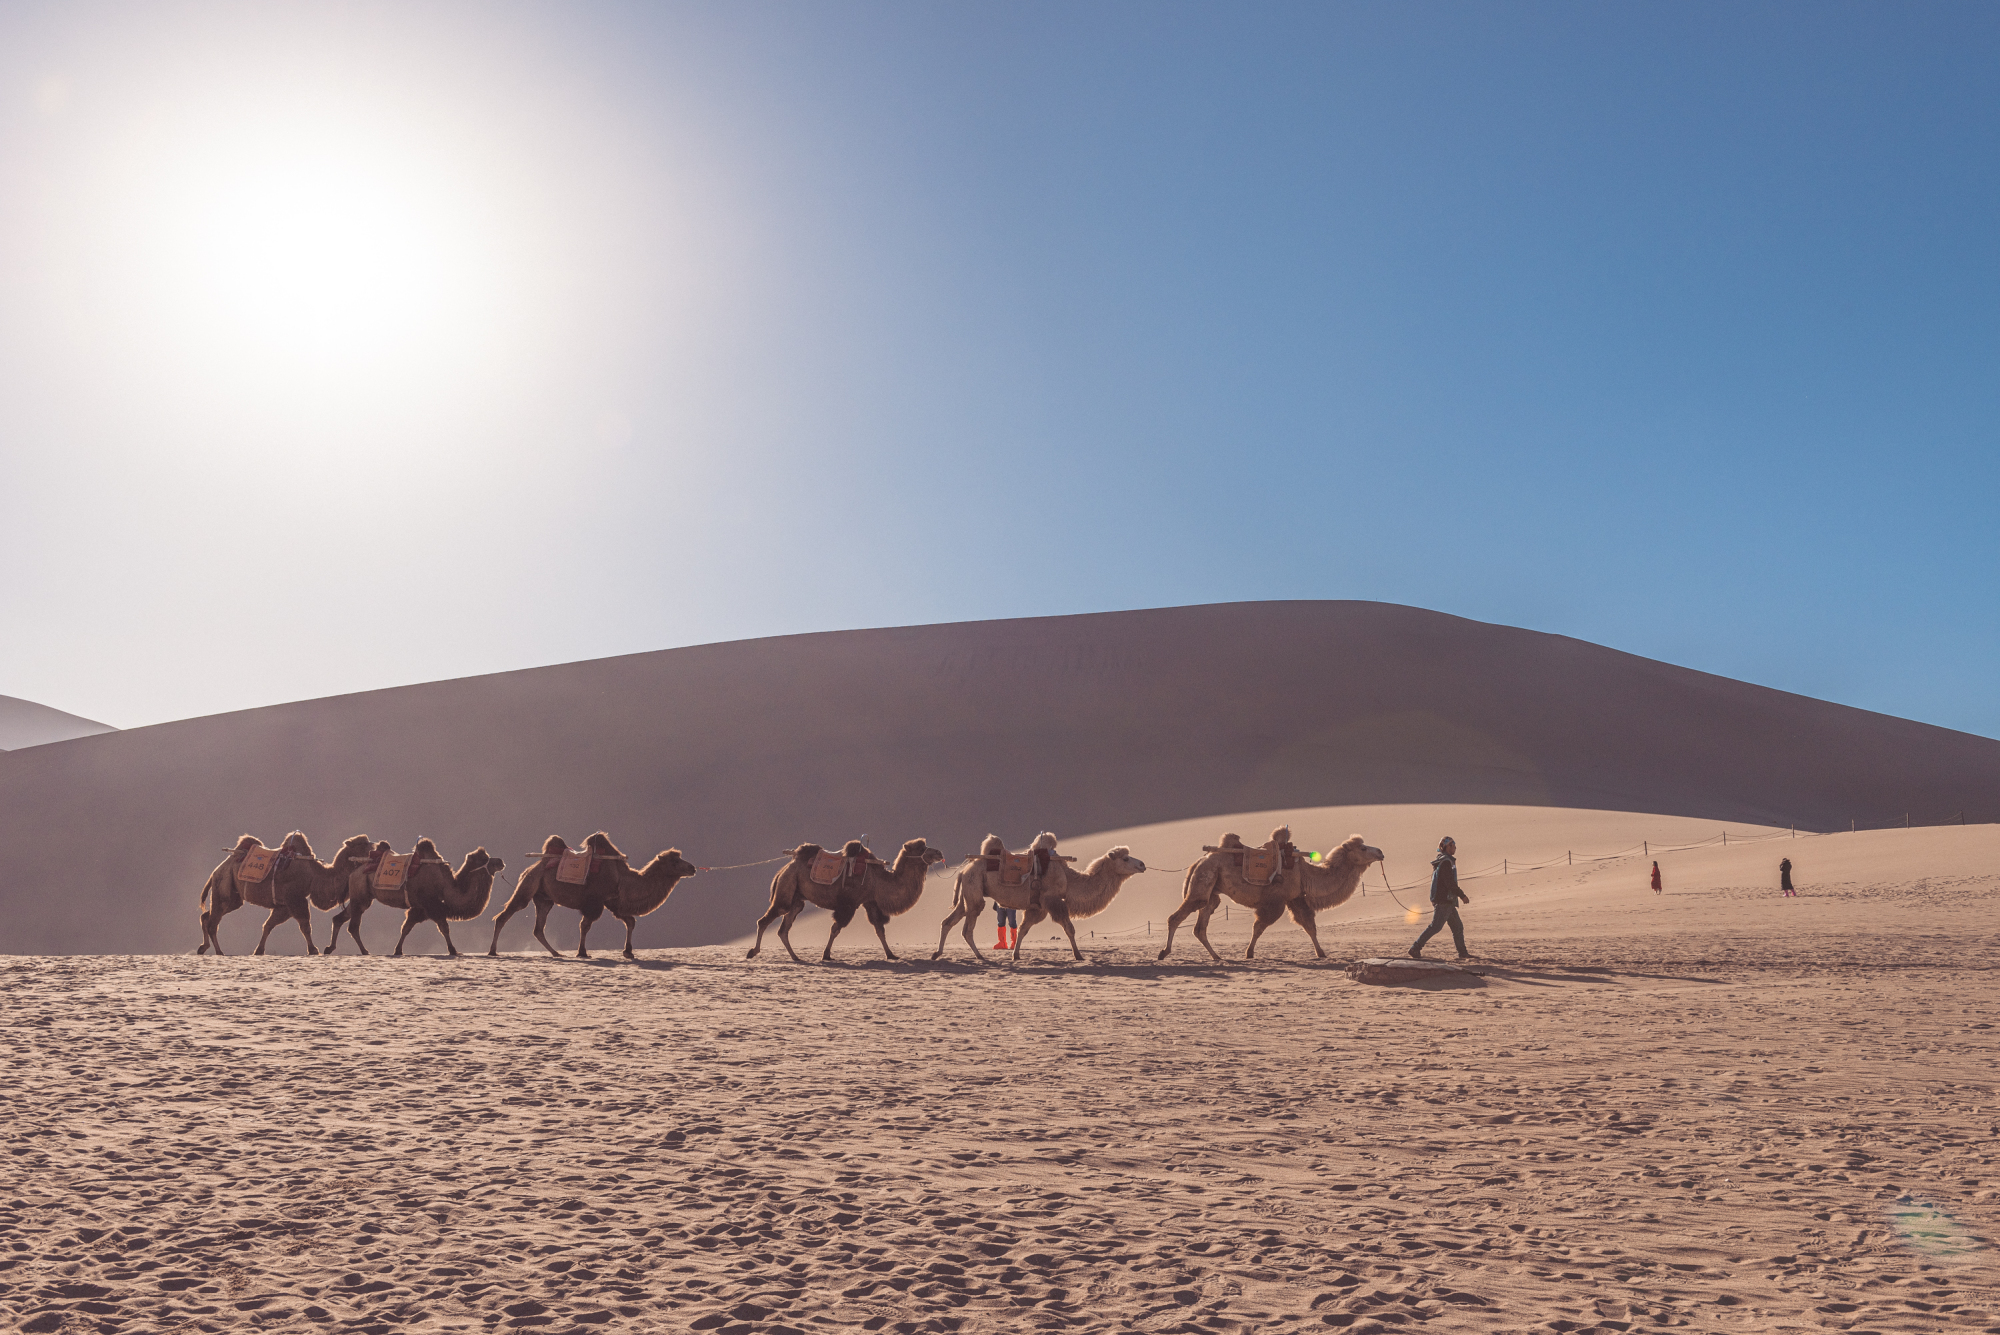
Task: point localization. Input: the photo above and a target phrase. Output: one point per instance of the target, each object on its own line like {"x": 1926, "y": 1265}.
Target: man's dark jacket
{"x": 1444, "y": 882}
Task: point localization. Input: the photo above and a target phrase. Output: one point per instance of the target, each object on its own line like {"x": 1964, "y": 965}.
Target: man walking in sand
{"x": 1785, "y": 878}
{"x": 1656, "y": 878}
{"x": 1445, "y": 899}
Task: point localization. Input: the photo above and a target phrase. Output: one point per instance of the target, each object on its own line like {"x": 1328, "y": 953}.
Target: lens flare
{"x": 1929, "y": 1232}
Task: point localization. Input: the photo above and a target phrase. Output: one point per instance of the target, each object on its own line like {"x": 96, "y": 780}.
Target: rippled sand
{"x": 1719, "y": 1122}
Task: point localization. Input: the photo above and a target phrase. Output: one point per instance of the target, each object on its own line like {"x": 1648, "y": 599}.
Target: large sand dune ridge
{"x": 732, "y": 751}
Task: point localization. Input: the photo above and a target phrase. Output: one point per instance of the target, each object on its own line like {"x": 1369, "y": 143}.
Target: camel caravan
{"x": 1039, "y": 883}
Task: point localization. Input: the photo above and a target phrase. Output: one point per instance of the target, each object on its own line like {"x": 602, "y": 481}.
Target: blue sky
{"x": 1671, "y": 328}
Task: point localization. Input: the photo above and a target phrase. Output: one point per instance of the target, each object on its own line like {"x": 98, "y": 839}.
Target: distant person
{"x": 1785, "y": 878}
{"x": 1656, "y": 878}
{"x": 1009, "y": 922}
{"x": 1445, "y": 899}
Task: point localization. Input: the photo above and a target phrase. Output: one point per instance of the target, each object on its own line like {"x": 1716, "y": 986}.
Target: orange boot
{"x": 1001, "y": 943}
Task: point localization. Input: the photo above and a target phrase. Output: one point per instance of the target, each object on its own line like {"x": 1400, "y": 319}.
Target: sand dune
{"x": 1709, "y": 1110}
{"x": 23, "y": 723}
{"x": 733, "y": 751}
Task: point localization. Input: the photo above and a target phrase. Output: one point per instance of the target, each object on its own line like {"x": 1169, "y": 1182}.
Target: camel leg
{"x": 354, "y": 928}
{"x": 1201, "y": 928}
{"x": 1059, "y": 914}
{"x": 1302, "y": 914}
{"x": 1179, "y": 916}
{"x": 410, "y": 921}
{"x": 771, "y": 915}
{"x": 971, "y": 927}
{"x": 278, "y": 915}
{"x": 1029, "y": 917}
{"x": 841, "y": 917}
{"x": 542, "y": 907}
{"x": 444, "y": 926}
{"x": 630, "y": 923}
{"x": 957, "y": 915}
{"x": 211, "y": 918}
{"x": 1266, "y": 915}
{"x": 583, "y": 931}
{"x": 306, "y": 928}
{"x": 880, "y": 922}
{"x": 785, "y": 933}
{"x": 514, "y": 906}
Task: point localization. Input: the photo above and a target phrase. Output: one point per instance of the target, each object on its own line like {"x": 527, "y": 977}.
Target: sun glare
{"x": 297, "y": 255}
{"x": 321, "y": 258}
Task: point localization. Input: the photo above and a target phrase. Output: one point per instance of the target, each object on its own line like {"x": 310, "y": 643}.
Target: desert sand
{"x": 1714, "y": 1109}
{"x": 730, "y": 752}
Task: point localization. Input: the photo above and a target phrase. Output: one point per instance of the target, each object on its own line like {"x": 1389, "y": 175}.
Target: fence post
{"x": 1645, "y": 849}
{"x": 1725, "y": 838}
{"x": 1503, "y": 866}
{"x": 1572, "y": 857}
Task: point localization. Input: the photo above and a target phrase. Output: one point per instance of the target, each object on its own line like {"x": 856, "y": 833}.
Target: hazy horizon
{"x": 358, "y": 346}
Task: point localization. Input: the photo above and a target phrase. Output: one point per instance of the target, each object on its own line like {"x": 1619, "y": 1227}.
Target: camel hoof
{"x": 750, "y": 954}
{"x": 492, "y": 954}
{"x": 396, "y": 954}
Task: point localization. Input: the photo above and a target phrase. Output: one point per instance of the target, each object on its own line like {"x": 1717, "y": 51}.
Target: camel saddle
{"x": 1016, "y": 869}
{"x": 828, "y": 868}
{"x": 573, "y": 868}
{"x": 256, "y": 864}
{"x": 1260, "y": 865}
{"x": 391, "y": 871}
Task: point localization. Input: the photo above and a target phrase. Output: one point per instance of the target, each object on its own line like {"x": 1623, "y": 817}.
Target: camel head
{"x": 1119, "y": 860}
{"x": 917, "y": 848}
{"x": 354, "y": 848}
{"x": 670, "y": 865}
{"x": 1354, "y": 850}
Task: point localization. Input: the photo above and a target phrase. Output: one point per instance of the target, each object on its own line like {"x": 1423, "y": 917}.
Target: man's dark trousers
{"x": 1446, "y": 915}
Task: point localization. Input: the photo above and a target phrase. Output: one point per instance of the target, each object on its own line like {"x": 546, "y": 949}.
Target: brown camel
{"x": 1298, "y": 885}
{"x": 1063, "y": 895}
{"x": 441, "y": 895}
{"x": 611, "y": 885}
{"x": 863, "y": 883}
{"x": 295, "y": 884}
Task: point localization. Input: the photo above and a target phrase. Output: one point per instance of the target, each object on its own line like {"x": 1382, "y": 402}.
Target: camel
{"x": 432, "y": 892}
{"x": 1062, "y": 894}
{"x": 883, "y": 892}
{"x": 611, "y": 885}
{"x": 291, "y": 889}
{"x": 1304, "y": 888}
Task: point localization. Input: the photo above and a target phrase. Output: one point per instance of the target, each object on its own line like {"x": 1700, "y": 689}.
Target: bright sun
{"x": 318, "y": 258}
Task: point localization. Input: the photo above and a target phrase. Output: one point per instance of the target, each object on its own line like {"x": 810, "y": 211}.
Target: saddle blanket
{"x": 573, "y": 868}
{"x": 391, "y": 872}
{"x": 826, "y": 868}
{"x": 1260, "y": 865}
{"x": 256, "y": 864}
{"x": 1017, "y": 869}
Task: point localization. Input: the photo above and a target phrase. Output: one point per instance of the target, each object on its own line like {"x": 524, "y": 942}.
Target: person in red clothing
{"x": 1656, "y": 878}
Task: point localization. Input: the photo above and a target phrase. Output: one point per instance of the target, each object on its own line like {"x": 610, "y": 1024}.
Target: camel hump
{"x": 601, "y": 845}
{"x": 992, "y": 846}
{"x": 554, "y": 844}
{"x": 807, "y": 852}
{"x": 246, "y": 843}
{"x": 426, "y": 849}
{"x": 297, "y": 844}
{"x": 1282, "y": 835}
{"x": 1045, "y": 842}
{"x": 853, "y": 849}
{"x": 1232, "y": 841}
